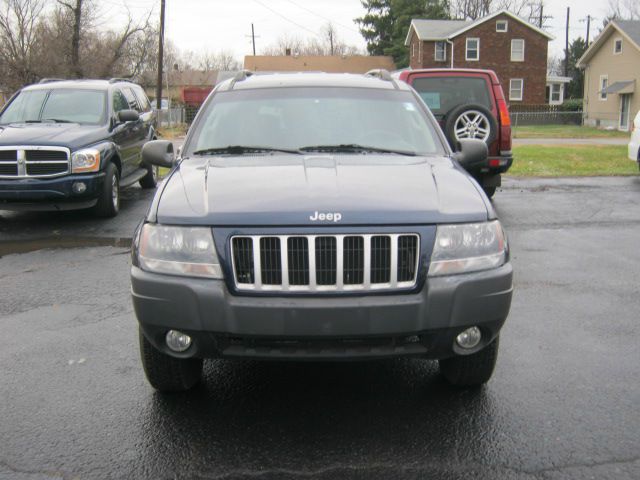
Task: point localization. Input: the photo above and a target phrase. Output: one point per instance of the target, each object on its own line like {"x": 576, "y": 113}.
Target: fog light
{"x": 470, "y": 338}
{"x": 79, "y": 187}
{"x": 178, "y": 341}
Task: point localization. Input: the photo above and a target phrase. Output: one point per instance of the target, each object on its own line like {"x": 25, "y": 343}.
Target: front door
{"x": 625, "y": 101}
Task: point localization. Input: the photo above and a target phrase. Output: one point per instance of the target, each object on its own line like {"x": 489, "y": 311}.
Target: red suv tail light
{"x": 505, "y": 120}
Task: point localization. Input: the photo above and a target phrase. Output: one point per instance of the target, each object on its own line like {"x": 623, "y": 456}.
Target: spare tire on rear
{"x": 470, "y": 121}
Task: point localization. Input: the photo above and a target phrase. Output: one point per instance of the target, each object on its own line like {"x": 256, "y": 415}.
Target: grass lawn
{"x": 571, "y": 161}
{"x": 166, "y": 133}
{"x": 565, "y": 131}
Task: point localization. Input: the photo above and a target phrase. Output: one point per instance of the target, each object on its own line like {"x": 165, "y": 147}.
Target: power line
{"x": 285, "y": 18}
{"x": 321, "y": 16}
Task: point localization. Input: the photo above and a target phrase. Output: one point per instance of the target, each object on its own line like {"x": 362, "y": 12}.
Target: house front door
{"x": 625, "y": 101}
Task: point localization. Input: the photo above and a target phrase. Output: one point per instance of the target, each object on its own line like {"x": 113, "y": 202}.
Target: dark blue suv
{"x": 73, "y": 144}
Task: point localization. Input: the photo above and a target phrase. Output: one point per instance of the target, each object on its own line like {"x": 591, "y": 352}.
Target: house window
{"x": 502, "y": 26}
{"x": 413, "y": 49}
{"x": 441, "y": 52}
{"x": 556, "y": 96}
{"x": 604, "y": 82}
{"x": 473, "y": 49}
{"x": 517, "y": 50}
{"x": 617, "y": 46}
{"x": 515, "y": 88}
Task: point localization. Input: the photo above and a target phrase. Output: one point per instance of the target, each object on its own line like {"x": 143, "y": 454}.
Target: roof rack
{"x": 119, "y": 79}
{"x": 382, "y": 74}
{"x": 239, "y": 77}
{"x": 50, "y": 80}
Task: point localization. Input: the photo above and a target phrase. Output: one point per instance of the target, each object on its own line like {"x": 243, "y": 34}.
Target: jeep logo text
{"x": 325, "y": 217}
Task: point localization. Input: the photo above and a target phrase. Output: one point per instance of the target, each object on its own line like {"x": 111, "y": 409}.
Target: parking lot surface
{"x": 563, "y": 402}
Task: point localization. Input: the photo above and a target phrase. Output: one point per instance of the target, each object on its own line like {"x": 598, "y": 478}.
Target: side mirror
{"x": 159, "y": 153}
{"x": 472, "y": 154}
{"x": 128, "y": 116}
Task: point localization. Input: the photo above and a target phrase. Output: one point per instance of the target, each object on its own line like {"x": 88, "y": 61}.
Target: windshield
{"x": 61, "y": 105}
{"x": 442, "y": 94}
{"x": 314, "y": 119}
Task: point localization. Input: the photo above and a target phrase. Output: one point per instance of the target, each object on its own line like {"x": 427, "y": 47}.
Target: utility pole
{"x": 541, "y": 19}
{"x": 253, "y": 37}
{"x": 253, "y": 40}
{"x": 588, "y": 25}
{"x": 160, "y": 58}
{"x": 566, "y": 47}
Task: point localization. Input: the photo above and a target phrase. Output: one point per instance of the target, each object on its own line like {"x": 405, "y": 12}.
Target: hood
{"x": 69, "y": 135}
{"x": 319, "y": 190}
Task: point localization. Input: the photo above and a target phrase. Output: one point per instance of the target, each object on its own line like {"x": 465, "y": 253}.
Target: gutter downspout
{"x": 450, "y": 43}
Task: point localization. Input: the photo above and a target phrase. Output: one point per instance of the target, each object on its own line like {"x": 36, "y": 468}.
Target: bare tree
{"x": 474, "y": 9}
{"x": 222, "y": 60}
{"x": 19, "y": 21}
{"x": 623, "y": 9}
{"x": 326, "y": 43}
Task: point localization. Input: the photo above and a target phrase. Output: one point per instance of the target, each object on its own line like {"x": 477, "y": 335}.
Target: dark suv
{"x": 72, "y": 144}
{"x": 334, "y": 224}
{"x": 469, "y": 103}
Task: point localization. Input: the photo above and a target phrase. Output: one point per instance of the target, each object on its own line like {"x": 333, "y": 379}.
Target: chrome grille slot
{"x": 298, "y": 252}
{"x": 406, "y": 257}
{"x": 380, "y": 259}
{"x": 353, "y": 263}
{"x": 45, "y": 156}
{"x": 243, "y": 260}
{"x": 9, "y": 169}
{"x": 8, "y": 155}
{"x": 34, "y": 162}
{"x": 326, "y": 260}
{"x": 270, "y": 263}
{"x": 325, "y": 263}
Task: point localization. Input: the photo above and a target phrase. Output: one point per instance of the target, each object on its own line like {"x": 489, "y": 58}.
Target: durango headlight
{"x": 186, "y": 251}
{"x": 467, "y": 248}
{"x": 87, "y": 160}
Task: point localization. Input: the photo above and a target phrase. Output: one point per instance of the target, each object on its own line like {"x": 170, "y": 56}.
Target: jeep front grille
{"x": 34, "y": 162}
{"x": 325, "y": 263}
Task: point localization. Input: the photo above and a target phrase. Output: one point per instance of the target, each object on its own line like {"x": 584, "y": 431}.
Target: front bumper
{"x": 339, "y": 327}
{"x": 50, "y": 194}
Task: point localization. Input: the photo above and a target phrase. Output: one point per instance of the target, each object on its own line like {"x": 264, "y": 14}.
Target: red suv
{"x": 469, "y": 103}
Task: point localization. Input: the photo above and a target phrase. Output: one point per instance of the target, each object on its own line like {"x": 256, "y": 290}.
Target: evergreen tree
{"x": 386, "y": 23}
{"x": 575, "y": 88}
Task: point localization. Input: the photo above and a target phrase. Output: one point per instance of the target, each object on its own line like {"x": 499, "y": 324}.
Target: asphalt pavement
{"x": 563, "y": 403}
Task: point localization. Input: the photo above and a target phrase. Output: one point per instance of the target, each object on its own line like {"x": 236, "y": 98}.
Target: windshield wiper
{"x": 56, "y": 120}
{"x": 354, "y": 147}
{"x": 241, "y": 149}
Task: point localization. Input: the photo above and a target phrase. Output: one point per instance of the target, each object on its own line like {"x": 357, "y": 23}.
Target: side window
{"x": 119, "y": 101}
{"x": 131, "y": 100}
{"x": 143, "y": 101}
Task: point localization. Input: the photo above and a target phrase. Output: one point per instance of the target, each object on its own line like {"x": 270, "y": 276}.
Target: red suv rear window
{"x": 441, "y": 94}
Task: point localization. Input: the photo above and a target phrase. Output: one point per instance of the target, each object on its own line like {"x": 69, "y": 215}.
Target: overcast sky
{"x": 226, "y": 24}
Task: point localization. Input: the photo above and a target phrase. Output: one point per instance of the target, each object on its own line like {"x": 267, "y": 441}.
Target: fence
{"x": 544, "y": 114}
{"x": 171, "y": 116}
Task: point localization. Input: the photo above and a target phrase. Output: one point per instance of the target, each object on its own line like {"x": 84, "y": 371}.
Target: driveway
{"x": 563, "y": 403}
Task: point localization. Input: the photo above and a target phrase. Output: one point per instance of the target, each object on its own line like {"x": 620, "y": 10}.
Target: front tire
{"x": 490, "y": 191}
{"x": 151, "y": 178}
{"x": 109, "y": 200}
{"x": 166, "y": 373}
{"x": 471, "y": 370}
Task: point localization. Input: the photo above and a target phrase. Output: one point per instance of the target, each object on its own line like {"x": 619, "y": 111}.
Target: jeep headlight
{"x": 186, "y": 251}
{"x": 87, "y": 160}
{"x": 467, "y": 248}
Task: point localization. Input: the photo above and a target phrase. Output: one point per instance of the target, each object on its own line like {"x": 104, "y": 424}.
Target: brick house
{"x": 515, "y": 49}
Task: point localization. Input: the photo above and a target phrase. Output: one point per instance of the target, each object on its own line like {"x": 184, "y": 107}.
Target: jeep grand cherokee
{"x": 317, "y": 217}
